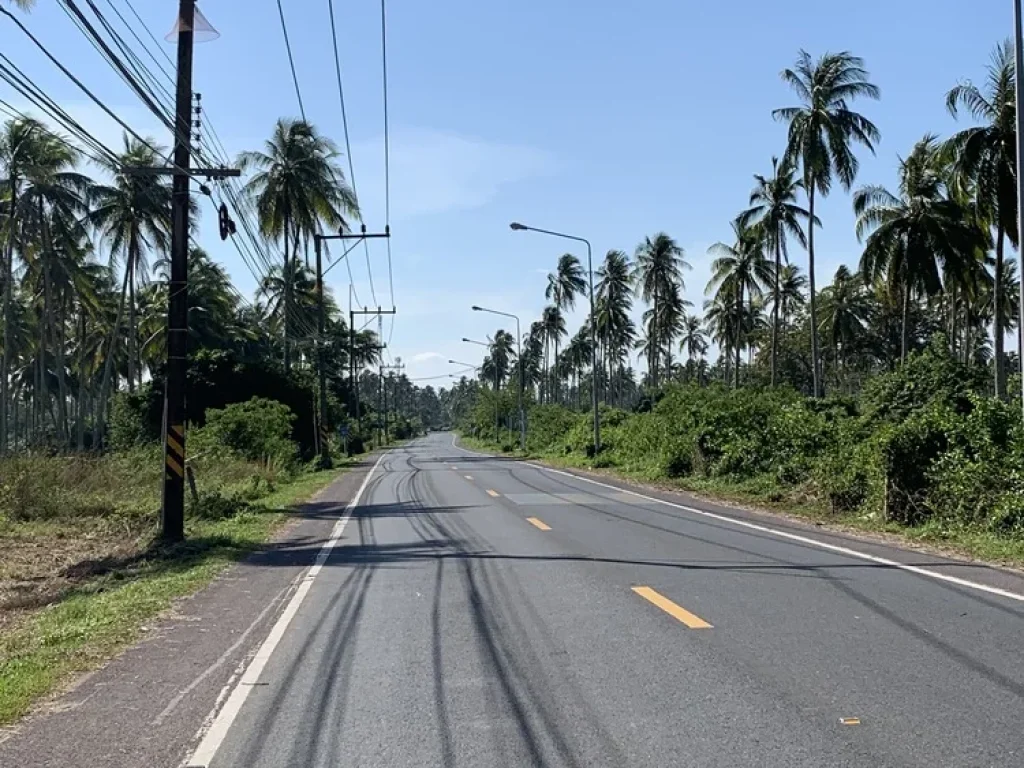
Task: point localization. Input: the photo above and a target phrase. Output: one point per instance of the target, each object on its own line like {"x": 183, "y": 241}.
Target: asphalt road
{"x": 475, "y": 611}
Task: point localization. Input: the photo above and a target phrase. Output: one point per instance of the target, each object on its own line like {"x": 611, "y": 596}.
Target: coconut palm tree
{"x": 564, "y": 285}
{"x": 916, "y": 237}
{"x": 53, "y": 191}
{"x": 774, "y": 210}
{"x": 740, "y": 272}
{"x": 18, "y": 143}
{"x": 553, "y": 322}
{"x": 792, "y": 287}
{"x": 822, "y": 130}
{"x": 297, "y": 185}
{"x": 616, "y": 332}
{"x": 985, "y": 157}
{"x": 659, "y": 265}
{"x": 724, "y": 325}
{"x": 695, "y": 340}
{"x": 845, "y": 314}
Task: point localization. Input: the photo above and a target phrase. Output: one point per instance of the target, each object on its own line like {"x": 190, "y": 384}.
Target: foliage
{"x": 257, "y": 429}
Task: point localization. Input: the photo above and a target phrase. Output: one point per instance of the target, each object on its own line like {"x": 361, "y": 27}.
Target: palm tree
{"x": 502, "y": 351}
{"x": 564, "y": 285}
{"x": 774, "y": 210}
{"x": 695, "y": 340}
{"x": 616, "y": 332}
{"x": 724, "y": 327}
{"x": 985, "y": 157}
{"x": 133, "y": 217}
{"x": 659, "y": 265}
{"x": 553, "y": 322}
{"x": 53, "y": 192}
{"x": 17, "y": 146}
{"x": 919, "y": 235}
{"x": 297, "y": 185}
{"x": 845, "y": 313}
{"x": 740, "y": 271}
{"x": 821, "y": 131}
{"x": 791, "y": 291}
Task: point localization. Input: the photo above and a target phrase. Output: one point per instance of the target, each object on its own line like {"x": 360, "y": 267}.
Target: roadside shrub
{"x": 257, "y": 429}
{"x": 218, "y": 505}
{"x": 128, "y": 426}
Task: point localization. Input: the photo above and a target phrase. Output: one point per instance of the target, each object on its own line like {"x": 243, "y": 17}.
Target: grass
{"x": 97, "y": 617}
{"x": 765, "y": 495}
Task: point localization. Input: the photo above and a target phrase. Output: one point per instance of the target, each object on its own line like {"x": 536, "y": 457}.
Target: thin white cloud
{"x": 422, "y": 357}
{"x": 434, "y": 171}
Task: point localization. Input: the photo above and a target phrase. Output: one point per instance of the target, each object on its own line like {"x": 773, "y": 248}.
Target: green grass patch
{"x": 106, "y": 612}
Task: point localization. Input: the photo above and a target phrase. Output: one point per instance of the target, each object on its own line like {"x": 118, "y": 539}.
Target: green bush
{"x": 257, "y": 430}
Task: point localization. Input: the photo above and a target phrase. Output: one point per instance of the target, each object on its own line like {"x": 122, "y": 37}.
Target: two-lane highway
{"x": 478, "y": 611}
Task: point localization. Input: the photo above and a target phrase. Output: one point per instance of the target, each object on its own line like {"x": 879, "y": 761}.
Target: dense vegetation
{"x": 885, "y": 393}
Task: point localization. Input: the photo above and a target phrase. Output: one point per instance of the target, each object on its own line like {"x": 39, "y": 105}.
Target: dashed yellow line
{"x": 675, "y": 611}
{"x": 539, "y": 523}
{"x": 495, "y": 494}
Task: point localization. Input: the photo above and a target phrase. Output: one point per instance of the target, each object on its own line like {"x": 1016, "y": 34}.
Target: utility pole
{"x": 172, "y": 512}
{"x": 318, "y": 240}
{"x": 390, "y": 369}
{"x": 354, "y": 381}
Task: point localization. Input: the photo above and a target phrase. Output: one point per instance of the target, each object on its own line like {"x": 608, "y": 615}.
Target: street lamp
{"x": 519, "y": 352}
{"x": 515, "y": 226}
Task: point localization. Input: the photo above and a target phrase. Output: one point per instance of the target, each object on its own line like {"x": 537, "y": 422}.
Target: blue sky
{"x": 604, "y": 119}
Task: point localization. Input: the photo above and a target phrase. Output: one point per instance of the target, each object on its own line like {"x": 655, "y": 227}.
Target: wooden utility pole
{"x": 172, "y": 512}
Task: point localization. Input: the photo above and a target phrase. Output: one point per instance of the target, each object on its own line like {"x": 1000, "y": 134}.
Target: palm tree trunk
{"x": 108, "y": 367}
{"x": 739, "y": 330}
{"x": 815, "y": 367}
{"x": 905, "y": 333}
{"x": 80, "y": 400}
{"x": 287, "y": 295}
{"x": 132, "y": 336}
{"x": 51, "y": 325}
{"x": 652, "y": 342}
{"x": 775, "y": 307}
{"x": 997, "y": 320}
{"x": 8, "y": 287}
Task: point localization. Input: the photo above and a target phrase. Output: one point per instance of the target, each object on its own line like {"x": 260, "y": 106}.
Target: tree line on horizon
{"x": 934, "y": 260}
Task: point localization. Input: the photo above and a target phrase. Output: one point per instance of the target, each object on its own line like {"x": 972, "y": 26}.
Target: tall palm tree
{"x": 774, "y": 210}
{"x": 297, "y": 185}
{"x": 616, "y": 332}
{"x": 740, "y": 272}
{"x": 985, "y": 157}
{"x": 564, "y": 285}
{"x": 659, "y": 265}
{"x": 18, "y": 143}
{"x": 694, "y": 341}
{"x": 845, "y": 313}
{"x": 54, "y": 191}
{"x": 724, "y": 327}
{"x": 821, "y": 131}
{"x": 553, "y": 322}
{"x": 133, "y": 215}
{"x": 917, "y": 236}
{"x": 791, "y": 291}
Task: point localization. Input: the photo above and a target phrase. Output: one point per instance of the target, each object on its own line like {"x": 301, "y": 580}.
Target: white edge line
{"x": 786, "y": 535}
{"x": 802, "y": 539}
{"x": 218, "y": 729}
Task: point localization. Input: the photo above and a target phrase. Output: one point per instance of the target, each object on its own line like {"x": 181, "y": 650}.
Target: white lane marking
{"x": 224, "y": 656}
{"x": 787, "y": 535}
{"x": 802, "y": 539}
{"x": 218, "y": 730}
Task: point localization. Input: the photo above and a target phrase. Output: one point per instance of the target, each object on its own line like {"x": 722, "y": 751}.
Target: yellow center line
{"x": 469, "y": 477}
{"x": 673, "y": 610}
{"x": 495, "y": 494}
{"x": 539, "y": 523}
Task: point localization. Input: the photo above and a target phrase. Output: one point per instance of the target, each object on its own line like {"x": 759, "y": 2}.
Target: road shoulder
{"x": 145, "y": 707}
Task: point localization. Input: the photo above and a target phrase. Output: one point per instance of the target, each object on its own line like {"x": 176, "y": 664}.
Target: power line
{"x": 348, "y": 150}
{"x": 291, "y": 60}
